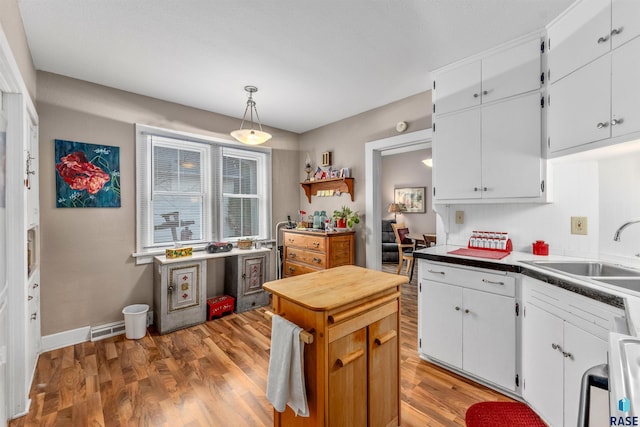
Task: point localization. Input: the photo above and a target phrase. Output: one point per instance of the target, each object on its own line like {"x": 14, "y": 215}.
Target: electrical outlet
{"x": 459, "y": 217}
{"x": 579, "y": 225}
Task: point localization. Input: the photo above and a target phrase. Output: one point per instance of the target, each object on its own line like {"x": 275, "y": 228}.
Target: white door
{"x": 625, "y": 24}
{"x": 441, "y": 322}
{"x": 457, "y": 88}
{"x": 542, "y": 363}
{"x": 511, "y": 148}
{"x": 489, "y": 337}
{"x": 625, "y": 88}
{"x": 457, "y": 161}
{"x": 3, "y": 357}
{"x": 580, "y": 36}
{"x": 511, "y": 72}
{"x": 583, "y": 350}
{"x": 580, "y": 106}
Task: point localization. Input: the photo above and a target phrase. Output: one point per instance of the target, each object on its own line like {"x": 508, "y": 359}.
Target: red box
{"x": 220, "y": 305}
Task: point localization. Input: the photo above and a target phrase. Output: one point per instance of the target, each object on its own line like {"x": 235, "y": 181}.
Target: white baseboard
{"x": 66, "y": 338}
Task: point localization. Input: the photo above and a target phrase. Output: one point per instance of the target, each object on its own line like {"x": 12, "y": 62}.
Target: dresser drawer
{"x": 304, "y": 256}
{"x": 295, "y": 269}
{"x": 316, "y": 243}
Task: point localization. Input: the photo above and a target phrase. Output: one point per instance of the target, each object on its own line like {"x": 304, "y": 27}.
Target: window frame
{"x": 213, "y": 199}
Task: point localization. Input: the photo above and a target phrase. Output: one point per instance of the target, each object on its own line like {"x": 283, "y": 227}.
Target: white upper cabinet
{"x": 508, "y": 72}
{"x": 625, "y": 87}
{"x": 578, "y": 37}
{"x": 625, "y": 22}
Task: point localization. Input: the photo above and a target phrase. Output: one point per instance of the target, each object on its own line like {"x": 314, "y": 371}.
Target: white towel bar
{"x": 305, "y": 337}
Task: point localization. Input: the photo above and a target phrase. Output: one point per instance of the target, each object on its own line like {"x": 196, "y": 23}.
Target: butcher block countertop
{"x": 327, "y": 290}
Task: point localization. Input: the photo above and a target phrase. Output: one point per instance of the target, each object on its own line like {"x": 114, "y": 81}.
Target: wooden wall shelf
{"x": 311, "y": 188}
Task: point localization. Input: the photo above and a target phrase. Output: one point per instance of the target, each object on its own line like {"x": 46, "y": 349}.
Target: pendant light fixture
{"x": 251, "y": 136}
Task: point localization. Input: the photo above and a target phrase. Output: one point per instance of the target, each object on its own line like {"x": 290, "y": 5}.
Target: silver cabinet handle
{"x": 602, "y": 125}
{"x": 492, "y": 282}
{"x": 556, "y": 347}
{"x": 475, "y": 95}
{"x": 467, "y": 311}
{"x": 567, "y": 354}
{"x": 457, "y": 308}
{"x": 34, "y": 316}
{"x": 485, "y": 92}
{"x": 436, "y": 272}
{"x": 603, "y": 39}
{"x": 35, "y": 285}
{"x": 475, "y": 188}
{"x": 485, "y": 189}
{"x": 616, "y": 122}
{"x": 616, "y": 31}
{"x": 29, "y": 298}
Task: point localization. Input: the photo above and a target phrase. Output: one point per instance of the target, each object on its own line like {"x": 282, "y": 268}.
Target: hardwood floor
{"x": 214, "y": 374}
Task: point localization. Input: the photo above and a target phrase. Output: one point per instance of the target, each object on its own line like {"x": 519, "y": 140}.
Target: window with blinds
{"x": 192, "y": 191}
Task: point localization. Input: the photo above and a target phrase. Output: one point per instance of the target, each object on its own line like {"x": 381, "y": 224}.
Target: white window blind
{"x": 193, "y": 190}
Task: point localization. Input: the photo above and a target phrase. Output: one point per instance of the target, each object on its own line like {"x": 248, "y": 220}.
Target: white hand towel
{"x": 285, "y": 382}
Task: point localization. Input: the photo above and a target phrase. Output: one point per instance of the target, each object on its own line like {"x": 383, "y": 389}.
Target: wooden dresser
{"x": 352, "y": 369}
{"x": 309, "y": 251}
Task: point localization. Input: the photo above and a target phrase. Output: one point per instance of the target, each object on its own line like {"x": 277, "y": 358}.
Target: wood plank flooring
{"x": 214, "y": 374}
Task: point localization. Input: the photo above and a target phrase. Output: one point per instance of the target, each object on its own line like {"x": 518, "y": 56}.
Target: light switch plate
{"x": 459, "y": 217}
{"x": 579, "y": 225}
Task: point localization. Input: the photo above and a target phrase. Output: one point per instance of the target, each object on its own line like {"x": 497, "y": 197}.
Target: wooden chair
{"x": 405, "y": 248}
{"x": 429, "y": 240}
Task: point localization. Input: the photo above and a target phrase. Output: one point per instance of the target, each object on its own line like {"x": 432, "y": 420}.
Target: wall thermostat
{"x": 401, "y": 126}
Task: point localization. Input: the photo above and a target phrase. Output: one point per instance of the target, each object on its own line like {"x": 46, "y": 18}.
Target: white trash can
{"x": 135, "y": 320}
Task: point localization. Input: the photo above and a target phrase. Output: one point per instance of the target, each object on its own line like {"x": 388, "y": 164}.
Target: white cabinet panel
{"x": 511, "y": 72}
{"x": 625, "y": 24}
{"x": 457, "y": 156}
{"x": 441, "y": 322}
{"x": 543, "y": 373}
{"x": 578, "y": 37}
{"x": 584, "y": 351}
{"x": 511, "y": 148}
{"x": 580, "y": 106}
{"x": 489, "y": 337}
{"x": 625, "y": 88}
{"x": 458, "y": 88}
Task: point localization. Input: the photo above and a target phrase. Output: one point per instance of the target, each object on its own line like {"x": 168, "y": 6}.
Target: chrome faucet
{"x": 616, "y": 237}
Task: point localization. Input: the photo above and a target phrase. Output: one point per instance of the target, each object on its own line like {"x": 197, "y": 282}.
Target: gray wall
{"x": 88, "y": 274}
{"x": 346, "y": 139}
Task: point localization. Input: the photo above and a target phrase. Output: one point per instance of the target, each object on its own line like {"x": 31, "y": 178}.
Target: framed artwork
{"x": 413, "y": 198}
{"x": 87, "y": 175}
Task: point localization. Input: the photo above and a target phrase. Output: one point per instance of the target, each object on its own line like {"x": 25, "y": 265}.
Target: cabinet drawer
{"x": 480, "y": 279}
{"x": 303, "y": 256}
{"x": 309, "y": 242}
{"x": 295, "y": 269}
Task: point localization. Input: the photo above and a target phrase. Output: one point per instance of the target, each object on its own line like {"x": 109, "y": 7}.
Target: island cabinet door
{"x": 348, "y": 380}
{"x": 383, "y": 372}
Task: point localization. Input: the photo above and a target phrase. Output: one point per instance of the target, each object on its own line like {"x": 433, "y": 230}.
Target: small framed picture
{"x": 412, "y": 197}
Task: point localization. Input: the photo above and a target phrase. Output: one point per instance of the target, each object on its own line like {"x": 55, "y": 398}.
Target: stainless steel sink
{"x": 594, "y": 269}
{"x": 632, "y": 283}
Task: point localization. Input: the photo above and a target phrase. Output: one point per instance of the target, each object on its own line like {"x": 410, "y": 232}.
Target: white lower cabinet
{"x": 467, "y": 319}
{"x": 563, "y": 335}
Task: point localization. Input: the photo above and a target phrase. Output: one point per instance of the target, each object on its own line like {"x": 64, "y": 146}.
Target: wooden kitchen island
{"x": 352, "y": 368}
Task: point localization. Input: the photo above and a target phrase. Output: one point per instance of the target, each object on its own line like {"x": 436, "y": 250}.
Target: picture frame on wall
{"x": 413, "y": 198}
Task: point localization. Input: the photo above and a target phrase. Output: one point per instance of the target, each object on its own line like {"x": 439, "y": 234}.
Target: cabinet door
{"x": 457, "y": 88}
{"x": 442, "y": 322}
{"x": 583, "y": 350}
{"x": 625, "y": 88}
{"x": 253, "y": 269}
{"x": 580, "y": 106}
{"x": 348, "y": 380}
{"x": 511, "y": 72}
{"x": 511, "y": 148}
{"x": 457, "y": 156}
{"x": 624, "y": 21}
{"x": 542, "y": 363}
{"x": 489, "y": 337}
{"x": 383, "y": 372}
{"x": 579, "y": 36}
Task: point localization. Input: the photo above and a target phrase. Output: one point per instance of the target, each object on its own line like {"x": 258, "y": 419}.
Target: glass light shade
{"x": 428, "y": 162}
{"x": 251, "y": 136}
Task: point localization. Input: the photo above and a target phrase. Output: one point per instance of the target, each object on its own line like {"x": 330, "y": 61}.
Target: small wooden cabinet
{"x": 309, "y": 251}
{"x": 352, "y": 367}
{"x": 244, "y": 276}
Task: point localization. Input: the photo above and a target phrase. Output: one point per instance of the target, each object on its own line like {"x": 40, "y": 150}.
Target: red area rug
{"x": 502, "y": 414}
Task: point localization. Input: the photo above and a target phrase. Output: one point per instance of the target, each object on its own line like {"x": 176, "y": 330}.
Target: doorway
{"x": 374, "y": 151}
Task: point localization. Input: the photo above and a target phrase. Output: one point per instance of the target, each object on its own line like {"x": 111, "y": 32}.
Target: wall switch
{"x": 459, "y": 217}
{"x": 579, "y": 225}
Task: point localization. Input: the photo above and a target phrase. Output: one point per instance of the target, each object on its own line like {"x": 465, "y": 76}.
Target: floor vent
{"x": 108, "y": 330}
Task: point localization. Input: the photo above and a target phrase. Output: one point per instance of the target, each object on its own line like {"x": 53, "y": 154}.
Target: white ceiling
{"x": 314, "y": 62}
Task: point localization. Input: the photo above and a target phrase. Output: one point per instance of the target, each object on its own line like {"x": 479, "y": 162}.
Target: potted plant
{"x": 345, "y": 217}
